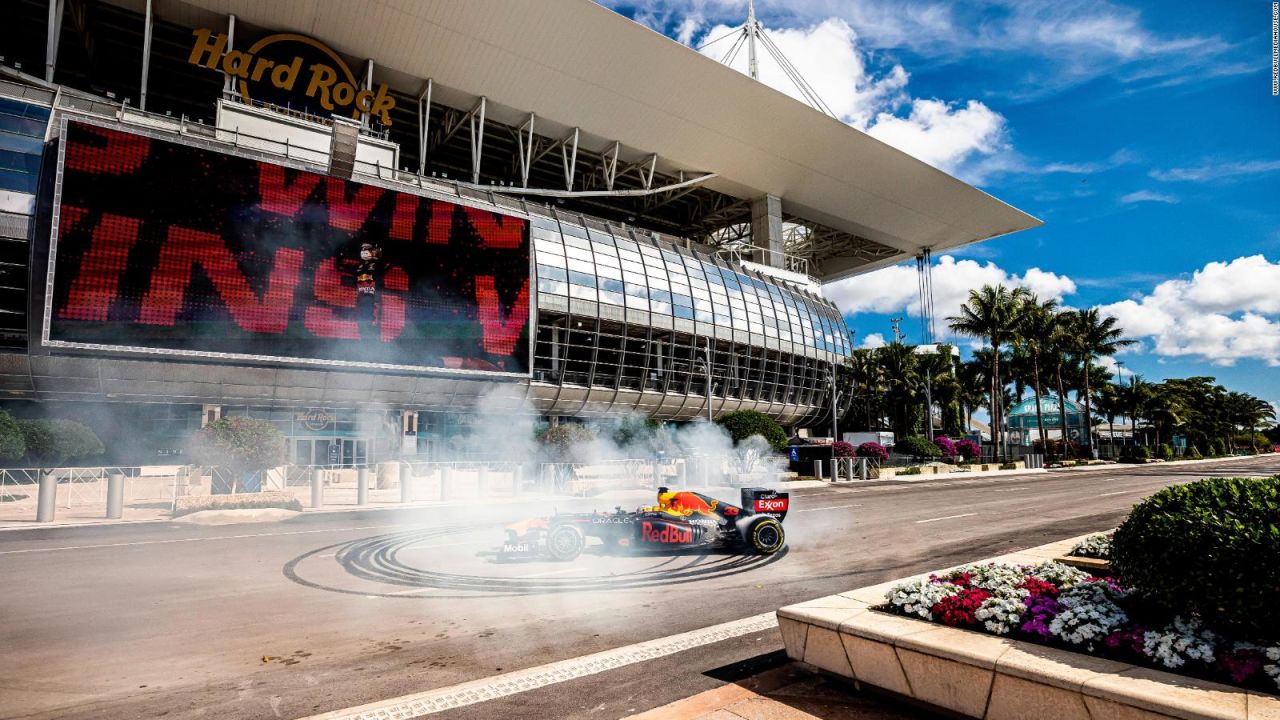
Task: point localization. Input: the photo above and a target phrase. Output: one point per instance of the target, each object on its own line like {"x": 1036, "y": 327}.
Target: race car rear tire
{"x": 565, "y": 542}
{"x": 765, "y": 535}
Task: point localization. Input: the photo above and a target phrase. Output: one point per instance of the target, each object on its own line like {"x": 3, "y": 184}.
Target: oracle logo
{"x": 771, "y": 505}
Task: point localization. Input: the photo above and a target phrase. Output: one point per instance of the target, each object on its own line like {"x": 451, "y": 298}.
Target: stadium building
{"x": 361, "y": 219}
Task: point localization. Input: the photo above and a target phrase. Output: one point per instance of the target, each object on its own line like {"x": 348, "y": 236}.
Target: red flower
{"x": 1039, "y": 588}
{"x": 958, "y": 610}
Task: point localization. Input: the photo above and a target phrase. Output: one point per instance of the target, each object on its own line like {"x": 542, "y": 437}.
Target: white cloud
{"x": 873, "y": 341}
{"x": 1139, "y": 196}
{"x": 1225, "y": 312}
{"x": 894, "y": 289}
{"x": 941, "y": 134}
{"x": 1217, "y": 171}
{"x": 828, "y": 56}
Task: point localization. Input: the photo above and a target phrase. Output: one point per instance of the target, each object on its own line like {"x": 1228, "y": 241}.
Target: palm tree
{"x": 1109, "y": 404}
{"x": 991, "y": 313}
{"x": 900, "y": 368}
{"x": 1134, "y": 400}
{"x": 1039, "y": 323}
{"x": 1058, "y": 345}
{"x": 867, "y": 380}
{"x": 1246, "y": 412}
{"x": 973, "y": 375}
{"x": 1095, "y": 337}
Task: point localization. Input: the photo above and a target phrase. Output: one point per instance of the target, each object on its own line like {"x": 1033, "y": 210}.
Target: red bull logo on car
{"x": 667, "y": 534}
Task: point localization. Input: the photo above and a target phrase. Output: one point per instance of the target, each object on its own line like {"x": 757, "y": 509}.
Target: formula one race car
{"x": 680, "y": 520}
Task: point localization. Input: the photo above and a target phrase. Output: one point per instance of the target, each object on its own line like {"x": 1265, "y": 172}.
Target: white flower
{"x": 1180, "y": 641}
{"x": 1272, "y": 669}
{"x": 1064, "y": 576}
{"x": 1000, "y": 614}
{"x": 1090, "y": 614}
{"x": 1094, "y": 546}
{"x": 917, "y": 597}
{"x": 996, "y": 578}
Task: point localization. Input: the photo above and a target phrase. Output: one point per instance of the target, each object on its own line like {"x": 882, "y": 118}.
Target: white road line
{"x": 1120, "y": 492}
{"x": 948, "y": 517}
{"x": 1009, "y": 489}
{"x": 828, "y": 507}
{"x": 491, "y": 688}
{"x": 196, "y": 539}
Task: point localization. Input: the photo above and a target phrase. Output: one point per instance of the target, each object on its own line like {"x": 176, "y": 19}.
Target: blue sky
{"x": 1144, "y": 134}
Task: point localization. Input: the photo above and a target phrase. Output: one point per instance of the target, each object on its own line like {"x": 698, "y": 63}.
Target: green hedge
{"x": 742, "y": 424}
{"x": 1209, "y": 548}
{"x": 49, "y": 443}
{"x": 919, "y": 448}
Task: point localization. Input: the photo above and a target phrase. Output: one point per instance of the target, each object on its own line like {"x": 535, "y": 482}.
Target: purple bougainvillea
{"x": 873, "y": 450}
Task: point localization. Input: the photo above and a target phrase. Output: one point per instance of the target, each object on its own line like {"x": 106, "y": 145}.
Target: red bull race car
{"x": 681, "y": 520}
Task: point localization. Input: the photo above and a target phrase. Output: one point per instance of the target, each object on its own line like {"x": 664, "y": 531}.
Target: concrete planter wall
{"x": 984, "y": 676}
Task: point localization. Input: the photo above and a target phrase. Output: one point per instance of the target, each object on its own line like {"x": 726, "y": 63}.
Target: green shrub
{"x": 1166, "y": 451}
{"x": 742, "y": 424}
{"x": 919, "y": 448}
{"x": 12, "y": 444}
{"x": 53, "y": 442}
{"x": 913, "y": 470}
{"x": 1210, "y": 548}
{"x": 241, "y": 444}
{"x": 566, "y": 442}
{"x": 1252, "y": 441}
{"x": 1220, "y": 448}
{"x": 1193, "y": 453}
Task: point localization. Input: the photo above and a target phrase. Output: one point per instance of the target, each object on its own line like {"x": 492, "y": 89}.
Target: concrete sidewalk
{"x": 790, "y": 692}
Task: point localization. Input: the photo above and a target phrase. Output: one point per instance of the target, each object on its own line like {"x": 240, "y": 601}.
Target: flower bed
{"x": 1057, "y": 605}
{"x": 1097, "y": 547}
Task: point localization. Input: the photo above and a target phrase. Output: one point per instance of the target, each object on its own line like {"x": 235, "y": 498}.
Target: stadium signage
{"x": 166, "y": 247}
{"x": 274, "y": 65}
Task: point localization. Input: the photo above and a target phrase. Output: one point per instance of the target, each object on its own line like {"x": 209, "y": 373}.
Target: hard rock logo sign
{"x": 295, "y": 70}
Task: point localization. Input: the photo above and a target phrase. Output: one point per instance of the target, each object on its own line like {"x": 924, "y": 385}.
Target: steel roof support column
{"x": 609, "y": 164}
{"x": 569, "y": 158}
{"x": 766, "y": 229}
{"x": 477, "y": 139}
{"x": 525, "y": 148}
{"x": 227, "y": 86}
{"x": 146, "y": 57}
{"x": 368, "y": 85}
{"x": 424, "y": 125}
{"x": 55, "y": 34}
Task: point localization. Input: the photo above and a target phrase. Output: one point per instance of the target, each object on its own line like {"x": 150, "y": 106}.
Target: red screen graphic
{"x": 171, "y": 247}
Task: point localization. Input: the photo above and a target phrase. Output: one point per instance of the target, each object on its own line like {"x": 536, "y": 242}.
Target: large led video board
{"x": 169, "y": 248}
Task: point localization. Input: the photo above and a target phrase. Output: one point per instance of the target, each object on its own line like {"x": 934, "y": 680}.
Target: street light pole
{"x": 835, "y": 404}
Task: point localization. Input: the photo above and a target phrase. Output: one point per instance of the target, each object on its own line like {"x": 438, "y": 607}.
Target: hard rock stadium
{"x": 358, "y": 219}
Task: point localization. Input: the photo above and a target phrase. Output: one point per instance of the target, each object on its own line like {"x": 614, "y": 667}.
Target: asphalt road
{"x": 328, "y": 611}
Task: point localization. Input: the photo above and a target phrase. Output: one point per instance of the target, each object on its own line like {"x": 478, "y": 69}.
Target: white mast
{"x": 753, "y": 68}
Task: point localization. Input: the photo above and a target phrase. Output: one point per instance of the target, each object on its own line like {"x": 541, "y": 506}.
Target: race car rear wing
{"x": 763, "y": 501}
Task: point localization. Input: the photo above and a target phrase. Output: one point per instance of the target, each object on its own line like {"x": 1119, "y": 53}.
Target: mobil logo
{"x": 665, "y": 533}
{"x": 769, "y": 505}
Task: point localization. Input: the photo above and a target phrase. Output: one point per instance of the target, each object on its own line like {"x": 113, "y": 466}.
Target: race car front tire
{"x": 765, "y": 535}
{"x": 565, "y": 542}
